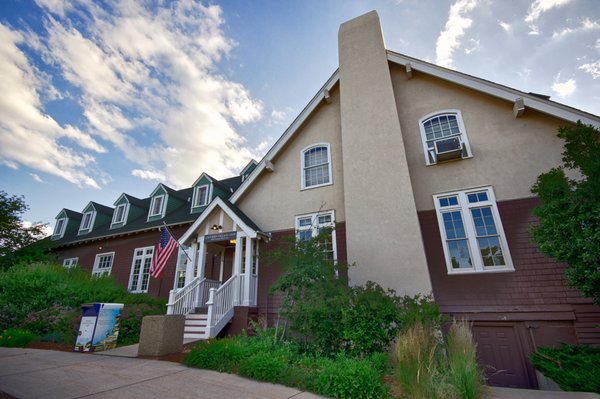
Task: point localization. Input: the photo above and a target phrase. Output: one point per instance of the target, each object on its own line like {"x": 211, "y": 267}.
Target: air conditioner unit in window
{"x": 447, "y": 149}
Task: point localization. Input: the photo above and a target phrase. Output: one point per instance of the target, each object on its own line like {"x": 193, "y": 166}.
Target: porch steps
{"x": 196, "y": 325}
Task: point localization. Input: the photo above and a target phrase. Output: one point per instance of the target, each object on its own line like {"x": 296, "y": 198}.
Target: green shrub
{"x": 14, "y": 338}
{"x": 132, "y": 315}
{"x": 265, "y": 366}
{"x": 419, "y": 309}
{"x": 347, "y": 377}
{"x": 223, "y": 355}
{"x": 572, "y": 367}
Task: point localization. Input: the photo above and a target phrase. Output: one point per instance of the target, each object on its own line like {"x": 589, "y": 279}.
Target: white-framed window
{"x": 471, "y": 231}
{"x": 59, "y": 229}
{"x": 310, "y": 225}
{"x": 157, "y": 205}
{"x": 140, "y": 269}
{"x": 182, "y": 262}
{"x": 70, "y": 262}
{"x": 316, "y": 166}
{"x": 87, "y": 221}
{"x": 201, "y": 195}
{"x": 103, "y": 264}
{"x": 119, "y": 214}
{"x": 444, "y": 136}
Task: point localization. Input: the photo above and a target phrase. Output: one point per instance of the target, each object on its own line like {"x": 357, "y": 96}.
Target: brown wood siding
{"x": 124, "y": 248}
{"x": 535, "y": 291}
{"x": 268, "y": 304}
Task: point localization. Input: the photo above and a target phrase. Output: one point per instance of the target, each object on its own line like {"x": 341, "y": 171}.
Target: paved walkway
{"x": 34, "y": 373}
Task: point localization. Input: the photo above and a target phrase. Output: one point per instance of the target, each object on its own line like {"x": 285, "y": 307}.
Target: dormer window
{"x": 444, "y": 137}
{"x": 201, "y": 195}
{"x": 157, "y": 205}
{"x": 86, "y": 221}
{"x": 316, "y": 166}
{"x": 119, "y": 215}
{"x": 59, "y": 229}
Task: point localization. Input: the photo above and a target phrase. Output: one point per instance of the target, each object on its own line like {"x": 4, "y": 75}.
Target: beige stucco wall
{"x": 276, "y": 197}
{"x": 508, "y": 153}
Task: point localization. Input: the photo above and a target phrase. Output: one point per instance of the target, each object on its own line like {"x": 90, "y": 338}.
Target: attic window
{"x": 59, "y": 229}
{"x": 316, "y": 166}
{"x": 86, "y": 222}
{"x": 444, "y": 137}
{"x": 201, "y": 195}
{"x": 156, "y": 207}
{"x": 119, "y": 215}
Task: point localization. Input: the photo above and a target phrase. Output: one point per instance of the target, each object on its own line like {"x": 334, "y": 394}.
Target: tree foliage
{"x": 15, "y": 238}
{"x": 569, "y": 214}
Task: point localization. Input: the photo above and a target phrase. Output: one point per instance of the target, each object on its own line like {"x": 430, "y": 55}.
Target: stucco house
{"x": 425, "y": 173}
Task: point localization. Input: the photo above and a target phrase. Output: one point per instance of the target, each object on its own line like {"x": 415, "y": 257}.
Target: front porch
{"x": 217, "y": 270}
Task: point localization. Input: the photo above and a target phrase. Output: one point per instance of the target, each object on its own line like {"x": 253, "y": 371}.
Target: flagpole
{"x": 179, "y": 246}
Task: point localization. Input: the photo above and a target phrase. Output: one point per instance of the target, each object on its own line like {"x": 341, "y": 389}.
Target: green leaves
{"x": 569, "y": 216}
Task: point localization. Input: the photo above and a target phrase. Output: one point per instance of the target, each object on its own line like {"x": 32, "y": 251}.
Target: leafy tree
{"x": 16, "y": 240}
{"x": 569, "y": 214}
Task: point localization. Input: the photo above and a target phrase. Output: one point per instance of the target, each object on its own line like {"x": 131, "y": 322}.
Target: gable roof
{"x": 103, "y": 209}
{"x": 70, "y": 214}
{"x": 531, "y": 100}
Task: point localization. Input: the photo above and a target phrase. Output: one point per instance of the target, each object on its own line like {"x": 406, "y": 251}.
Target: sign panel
{"x": 99, "y": 327}
{"x": 231, "y": 235}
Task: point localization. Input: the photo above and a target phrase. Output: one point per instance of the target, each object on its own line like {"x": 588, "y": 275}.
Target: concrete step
{"x": 194, "y": 336}
{"x": 194, "y": 329}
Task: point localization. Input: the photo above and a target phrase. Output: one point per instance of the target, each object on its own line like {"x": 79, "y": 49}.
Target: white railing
{"x": 242, "y": 289}
{"x": 220, "y": 306}
{"x": 192, "y": 296}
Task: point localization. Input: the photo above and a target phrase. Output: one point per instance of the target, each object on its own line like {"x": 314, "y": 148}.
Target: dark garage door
{"x": 500, "y": 351}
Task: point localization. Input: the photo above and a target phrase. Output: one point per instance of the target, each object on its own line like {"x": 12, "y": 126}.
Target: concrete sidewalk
{"x": 34, "y": 373}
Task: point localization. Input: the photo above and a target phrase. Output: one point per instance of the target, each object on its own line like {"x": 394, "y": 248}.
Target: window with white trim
{"x": 201, "y": 195}
{"x": 119, "y": 214}
{"x": 309, "y": 226}
{"x": 156, "y": 207}
{"x": 59, "y": 229}
{"x": 182, "y": 261}
{"x": 140, "y": 269}
{"x": 86, "y": 221}
{"x": 70, "y": 262}
{"x": 444, "y": 136}
{"x": 103, "y": 264}
{"x": 471, "y": 231}
{"x": 316, "y": 166}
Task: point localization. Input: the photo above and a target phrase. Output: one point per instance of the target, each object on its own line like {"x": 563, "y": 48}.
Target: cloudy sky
{"x": 100, "y": 97}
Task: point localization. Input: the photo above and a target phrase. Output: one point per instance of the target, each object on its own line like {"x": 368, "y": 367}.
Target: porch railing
{"x": 193, "y": 295}
{"x": 220, "y": 306}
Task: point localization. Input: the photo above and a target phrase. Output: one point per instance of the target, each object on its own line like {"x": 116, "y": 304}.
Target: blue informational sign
{"x": 99, "y": 327}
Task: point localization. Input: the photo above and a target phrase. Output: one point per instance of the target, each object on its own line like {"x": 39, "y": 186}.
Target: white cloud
{"x": 474, "y": 46}
{"x": 564, "y": 89}
{"x": 456, "y": 25}
{"x": 36, "y": 177}
{"x": 505, "y": 25}
{"x": 537, "y": 8}
{"x": 150, "y": 85}
{"x": 585, "y": 25}
{"x": 148, "y": 175}
{"x": 28, "y": 136}
{"x": 592, "y": 68}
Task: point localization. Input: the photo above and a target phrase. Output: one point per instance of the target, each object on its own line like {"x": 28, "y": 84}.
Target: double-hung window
{"x": 309, "y": 226}
{"x": 471, "y": 231}
{"x": 140, "y": 269}
{"x": 201, "y": 195}
{"x": 316, "y": 166}
{"x": 156, "y": 207}
{"x": 70, "y": 262}
{"x": 119, "y": 215}
{"x": 444, "y": 136}
{"x": 103, "y": 264}
{"x": 86, "y": 222}
{"x": 59, "y": 229}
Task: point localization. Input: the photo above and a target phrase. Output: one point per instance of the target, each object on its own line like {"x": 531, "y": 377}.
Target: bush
{"x": 223, "y": 355}
{"x": 265, "y": 366}
{"x": 347, "y": 377}
{"x": 572, "y": 367}
{"x": 13, "y": 338}
{"x": 419, "y": 309}
{"x": 132, "y": 315}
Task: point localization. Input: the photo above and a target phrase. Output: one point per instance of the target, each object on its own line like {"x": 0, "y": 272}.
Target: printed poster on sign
{"x": 107, "y": 326}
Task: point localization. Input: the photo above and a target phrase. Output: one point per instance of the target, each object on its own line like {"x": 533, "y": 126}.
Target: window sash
{"x": 157, "y": 205}
{"x": 103, "y": 264}
{"x": 119, "y": 213}
{"x": 316, "y": 166}
{"x": 60, "y": 227}
{"x": 471, "y": 230}
{"x": 201, "y": 197}
{"x": 70, "y": 262}
{"x": 309, "y": 226}
{"x": 87, "y": 221}
{"x": 442, "y": 124}
{"x": 140, "y": 269}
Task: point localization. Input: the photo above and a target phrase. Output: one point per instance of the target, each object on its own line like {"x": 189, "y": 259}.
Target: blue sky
{"x": 101, "y": 98}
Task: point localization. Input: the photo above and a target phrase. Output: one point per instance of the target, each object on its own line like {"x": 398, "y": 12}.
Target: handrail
{"x": 193, "y": 295}
{"x": 220, "y": 306}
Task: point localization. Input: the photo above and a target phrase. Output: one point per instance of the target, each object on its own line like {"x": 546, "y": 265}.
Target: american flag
{"x": 164, "y": 249}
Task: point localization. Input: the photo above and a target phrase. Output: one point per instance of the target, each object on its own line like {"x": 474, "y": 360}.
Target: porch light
{"x": 216, "y": 227}
{"x": 232, "y": 241}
